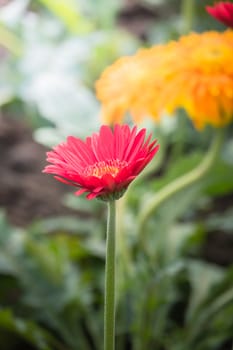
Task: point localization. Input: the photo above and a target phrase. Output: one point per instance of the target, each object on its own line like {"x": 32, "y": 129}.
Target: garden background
{"x": 175, "y": 276}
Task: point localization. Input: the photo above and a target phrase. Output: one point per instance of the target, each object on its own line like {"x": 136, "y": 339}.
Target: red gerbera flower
{"x": 222, "y": 11}
{"x": 103, "y": 165}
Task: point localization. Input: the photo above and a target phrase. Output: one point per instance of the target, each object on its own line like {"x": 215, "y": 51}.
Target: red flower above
{"x": 105, "y": 164}
{"x": 223, "y": 12}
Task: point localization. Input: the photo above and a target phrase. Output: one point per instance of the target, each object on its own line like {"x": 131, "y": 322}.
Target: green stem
{"x": 109, "y": 305}
{"x": 183, "y": 181}
{"x": 188, "y": 9}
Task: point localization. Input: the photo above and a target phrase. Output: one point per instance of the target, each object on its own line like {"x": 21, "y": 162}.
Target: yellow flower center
{"x": 100, "y": 169}
{"x": 212, "y": 58}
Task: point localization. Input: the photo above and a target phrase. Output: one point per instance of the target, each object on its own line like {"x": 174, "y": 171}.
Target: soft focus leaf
{"x": 203, "y": 277}
{"x": 68, "y": 12}
{"x": 27, "y": 330}
{"x": 220, "y": 180}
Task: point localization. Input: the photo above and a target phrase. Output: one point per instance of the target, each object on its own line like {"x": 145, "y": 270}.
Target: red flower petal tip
{"x": 105, "y": 163}
{"x": 222, "y": 11}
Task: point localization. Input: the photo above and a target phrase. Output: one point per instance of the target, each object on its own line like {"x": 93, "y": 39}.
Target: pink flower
{"x": 105, "y": 163}
{"x": 222, "y": 11}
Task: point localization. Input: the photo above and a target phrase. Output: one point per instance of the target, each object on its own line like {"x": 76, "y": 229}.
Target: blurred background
{"x": 174, "y": 284}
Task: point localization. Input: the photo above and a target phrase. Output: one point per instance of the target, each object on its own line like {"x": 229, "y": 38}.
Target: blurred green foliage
{"x": 51, "y": 273}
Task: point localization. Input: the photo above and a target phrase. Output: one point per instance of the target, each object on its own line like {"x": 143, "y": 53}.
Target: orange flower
{"x": 131, "y": 84}
{"x": 204, "y": 84}
{"x": 194, "y": 73}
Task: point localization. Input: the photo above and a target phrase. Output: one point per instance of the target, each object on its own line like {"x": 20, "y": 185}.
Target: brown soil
{"x": 25, "y": 193}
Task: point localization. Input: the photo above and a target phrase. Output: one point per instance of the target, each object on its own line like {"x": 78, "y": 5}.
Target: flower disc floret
{"x": 102, "y": 168}
{"x": 105, "y": 163}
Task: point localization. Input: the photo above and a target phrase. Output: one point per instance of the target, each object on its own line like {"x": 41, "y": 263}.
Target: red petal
{"x": 222, "y": 11}
{"x": 134, "y": 146}
{"x": 81, "y": 150}
{"x": 106, "y": 143}
{"x": 92, "y": 195}
{"x": 81, "y": 191}
{"x": 108, "y": 181}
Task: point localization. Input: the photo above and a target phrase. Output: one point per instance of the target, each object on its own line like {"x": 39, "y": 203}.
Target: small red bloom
{"x": 105, "y": 163}
{"x": 222, "y": 11}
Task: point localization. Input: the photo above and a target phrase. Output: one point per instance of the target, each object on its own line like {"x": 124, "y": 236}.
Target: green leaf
{"x": 28, "y": 330}
{"x": 220, "y": 179}
{"x": 69, "y": 13}
{"x": 208, "y": 275}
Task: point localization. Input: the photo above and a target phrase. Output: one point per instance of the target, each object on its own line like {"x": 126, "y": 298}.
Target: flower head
{"x": 132, "y": 84}
{"x": 202, "y": 81}
{"x": 194, "y": 73}
{"x": 105, "y": 163}
{"x": 222, "y": 11}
